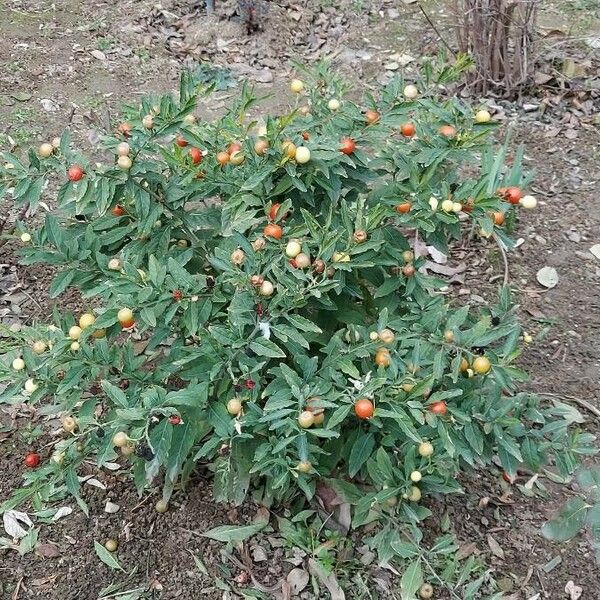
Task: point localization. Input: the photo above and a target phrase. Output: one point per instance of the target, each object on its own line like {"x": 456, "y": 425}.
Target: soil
{"x": 51, "y": 80}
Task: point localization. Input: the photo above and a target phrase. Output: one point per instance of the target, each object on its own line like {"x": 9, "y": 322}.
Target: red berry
{"x": 513, "y": 195}
{"x": 408, "y": 129}
{"x": 348, "y": 145}
{"x": 196, "y": 156}
{"x": 306, "y": 136}
{"x": 438, "y": 408}
{"x": 293, "y": 263}
{"x": 175, "y": 419}
{"x": 177, "y": 295}
{"x": 75, "y": 173}
{"x": 32, "y": 460}
{"x": 118, "y": 210}
{"x": 249, "y": 384}
{"x": 182, "y": 143}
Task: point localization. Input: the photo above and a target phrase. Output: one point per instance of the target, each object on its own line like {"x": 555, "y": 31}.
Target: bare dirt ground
{"x": 71, "y": 63}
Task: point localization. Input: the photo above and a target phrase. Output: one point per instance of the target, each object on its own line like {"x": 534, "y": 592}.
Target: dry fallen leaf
{"x": 595, "y": 250}
{"x": 573, "y": 590}
{"x": 547, "y": 276}
{"x": 495, "y": 547}
{"x": 63, "y": 511}
{"x": 47, "y": 550}
{"x": 297, "y": 580}
{"x": 466, "y": 550}
{"x": 12, "y": 520}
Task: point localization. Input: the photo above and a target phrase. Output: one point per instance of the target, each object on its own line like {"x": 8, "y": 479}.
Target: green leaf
{"x": 234, "y": 533}
{"x": 338, "y": 415}
{"x": 61, "y": 282}
{"x": 115, "y": 394}
{"x": 255, "y": 180}
{"x": 106, "y": 557}
{"x": 568, "y": 522}
{"x": 182, "y": 278}
{"x": 388, "y": 286}
{"x": 160, "y": 440}
{"x": 303, "y": 324}
{"x": 361, "y": 450}
{"x": 265, "y": 347}
{"x": 411, "y": 581}
{"x": 184, "y": 437}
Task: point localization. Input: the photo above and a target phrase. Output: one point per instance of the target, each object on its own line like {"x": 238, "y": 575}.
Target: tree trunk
{"x": 499, "y": 35}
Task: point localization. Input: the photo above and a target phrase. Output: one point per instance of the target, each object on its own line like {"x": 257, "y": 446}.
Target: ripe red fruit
{"x": 348, "y": 145}
{"x": 32, "y": 460}
{"x": 293, "y": 263}
{"x": 363, "y": 408}
{"x": 438, "y": 408}
{"x": 513, "y": 195}
{"x": 408, "y": 129}
{"x": 273, "y": 211}
{"x": 196, "y": 156}
{"x": 175, "y": 419}
{"x": 498, "y": 218}
{"x": 118, "y": 210}
{"x": 177, "y": 295}
{"x": 124, "y": 129}
{"x": 404, "y": 207}
{"x": 234, "y": 147}
{"x": 273, "y": 230}
{"x": 75, "y": 173}
{"x": 306, "y": 136}
{"x": 181, "y": 142}
{"x": 249, "y": 384}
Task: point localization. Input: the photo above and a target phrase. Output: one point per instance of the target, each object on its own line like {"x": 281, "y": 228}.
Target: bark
{"x": 499, "y": 35}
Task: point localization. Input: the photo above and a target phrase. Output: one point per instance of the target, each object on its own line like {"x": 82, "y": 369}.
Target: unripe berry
{"x": 296, "y": 86}
{"x": 266, "y": 289}
{"x": 411, "y": 92}
{"x": 425, "y": 449}
{"x": 293, "y": 248}
{"x": 120, "y": 439}
{"x": 416, "y": 476}
{"x": 333, "y": 104}
{"x": 123, "y": 149}
{"x": 45, "y": 150}
{"x": 75, "y": 332}
{"x": 238, "y": 256}
{"x": 302, "y": 155}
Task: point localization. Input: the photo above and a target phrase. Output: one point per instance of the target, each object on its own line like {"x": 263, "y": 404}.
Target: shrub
{"x": 255, "y": 303}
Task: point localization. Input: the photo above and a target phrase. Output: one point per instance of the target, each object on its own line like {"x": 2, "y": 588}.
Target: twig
{"x": 17, "y": 589}
{"x": 436, "y": 30}
{"x": 504, "y": 257}
{"x": 583, "y": 403}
